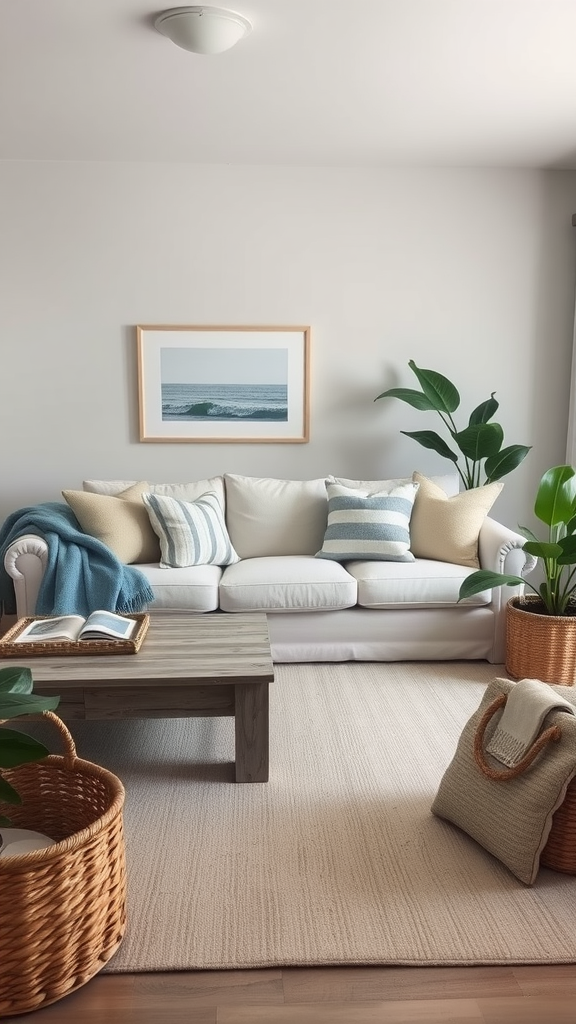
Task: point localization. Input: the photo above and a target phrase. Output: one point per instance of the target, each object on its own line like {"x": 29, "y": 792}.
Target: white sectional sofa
{"x": 319, "y": 608}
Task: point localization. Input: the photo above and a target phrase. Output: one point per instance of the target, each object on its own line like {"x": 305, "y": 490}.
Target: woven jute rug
{"x": 337, "y": 859}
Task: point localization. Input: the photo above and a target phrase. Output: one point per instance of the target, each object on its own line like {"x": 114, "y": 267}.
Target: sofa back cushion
{"x": 183, "y": 492}
{"x": 266, "y": 516}
{"x": 447, "y": 481}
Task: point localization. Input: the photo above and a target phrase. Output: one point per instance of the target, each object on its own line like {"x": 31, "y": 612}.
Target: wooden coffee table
{"x": 189, "y": 665}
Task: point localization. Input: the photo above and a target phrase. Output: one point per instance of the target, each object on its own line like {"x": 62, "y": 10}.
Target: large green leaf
{"x": 437, "y": 388}
{"x": 527, "y": 533}
{"x": 430, "y": 439}
{"x": 480, "y": 441}
{"x": 542, "y": 549}
{"x": 483, "y": 413}
{"x": 568, "y": 556}
{"x": 414, "y": 398}
{"x": 15, "y": 679}
{"x": 14, "y": 704}
{"x": 17, "y": 748}
{"x": 485, "y": 579}
{"x": 499, "y": 465}
{"x": 9, "y": 794}
{"x": 556, "y": 496}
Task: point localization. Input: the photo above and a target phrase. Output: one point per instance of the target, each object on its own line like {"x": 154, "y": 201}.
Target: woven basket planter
{"x": 540, "y": 646}
{"x": 560, "y": 850}
{"x": 63, "y": 908}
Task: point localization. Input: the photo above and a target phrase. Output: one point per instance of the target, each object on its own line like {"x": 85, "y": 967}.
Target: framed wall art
{"x": 223, "y": 384}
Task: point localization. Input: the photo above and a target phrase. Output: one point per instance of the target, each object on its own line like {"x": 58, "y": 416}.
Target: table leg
{"x": 252, "y": 729}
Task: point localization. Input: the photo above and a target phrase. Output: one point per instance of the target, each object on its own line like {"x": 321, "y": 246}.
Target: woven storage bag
{"x": 540, "y": 646}
{"x": 62, "y": 909}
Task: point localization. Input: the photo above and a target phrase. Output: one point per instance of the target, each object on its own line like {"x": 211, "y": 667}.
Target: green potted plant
{"x": 16, "y": 748}
{"x": 479, "y": 443}
{"x": 541, "y": 627}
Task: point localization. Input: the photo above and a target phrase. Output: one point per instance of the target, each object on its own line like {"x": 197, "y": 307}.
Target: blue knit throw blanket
{"x": 82, "y": 574}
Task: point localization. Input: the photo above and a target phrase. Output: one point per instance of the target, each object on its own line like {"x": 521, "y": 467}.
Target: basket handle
{"x": 550, "y": 735}
{"x": 66, "y": 736}
{"x": 70, "y": 755}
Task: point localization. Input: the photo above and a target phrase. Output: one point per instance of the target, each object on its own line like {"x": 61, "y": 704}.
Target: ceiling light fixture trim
{"x": 203, "y": 29}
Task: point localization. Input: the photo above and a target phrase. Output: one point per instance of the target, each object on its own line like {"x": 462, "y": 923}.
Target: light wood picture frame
{"x": 223, "y": 384}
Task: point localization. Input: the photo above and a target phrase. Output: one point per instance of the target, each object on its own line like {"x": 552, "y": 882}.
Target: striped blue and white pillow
{"x": 190, "y": 532}
{"x": 373, "y": 526}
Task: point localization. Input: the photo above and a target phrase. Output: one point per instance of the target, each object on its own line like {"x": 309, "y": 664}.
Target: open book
{"x": 100, "y": 625}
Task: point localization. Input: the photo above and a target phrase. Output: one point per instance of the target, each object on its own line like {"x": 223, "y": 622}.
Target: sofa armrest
{"x": 501, "y": 550}
{"x": 25, "y": 561}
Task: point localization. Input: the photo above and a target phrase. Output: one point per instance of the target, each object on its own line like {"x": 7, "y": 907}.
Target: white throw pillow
{"x": 190, "y": 532}
{"x": 266, "y": 516}
{"x": 375, "y": 527}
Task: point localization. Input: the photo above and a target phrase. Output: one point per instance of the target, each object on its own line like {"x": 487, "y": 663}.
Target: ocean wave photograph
{"x": 223, "y": 402}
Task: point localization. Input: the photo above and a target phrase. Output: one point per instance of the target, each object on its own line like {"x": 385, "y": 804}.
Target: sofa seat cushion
{"x": 420, "y": 584}
{"x": 193, "y": 589}
{"x": 297, "y": 583}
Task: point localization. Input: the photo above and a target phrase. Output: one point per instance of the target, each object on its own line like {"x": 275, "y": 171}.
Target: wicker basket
{"x": 540, "y": 646}
{"x": 9, "y": 648}
{"x": 560, "y": 850}
{"x": 63, "y": 909}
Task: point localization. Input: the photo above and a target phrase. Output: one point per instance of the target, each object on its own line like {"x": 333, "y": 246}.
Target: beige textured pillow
{"x": 511, "y": 819}
{"x": 446, "y": 529}
{"x": 121, "y": 522}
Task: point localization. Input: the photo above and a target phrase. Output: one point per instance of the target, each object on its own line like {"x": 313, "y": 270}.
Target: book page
{"x": 103, "y": 625}
{"x": 61, "y": 627}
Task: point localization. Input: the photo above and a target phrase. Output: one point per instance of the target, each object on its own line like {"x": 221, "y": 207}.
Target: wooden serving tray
{"x": 57, "y": 648}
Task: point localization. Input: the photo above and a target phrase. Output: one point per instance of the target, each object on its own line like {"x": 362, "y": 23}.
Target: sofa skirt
{"x": 361, "y": 634}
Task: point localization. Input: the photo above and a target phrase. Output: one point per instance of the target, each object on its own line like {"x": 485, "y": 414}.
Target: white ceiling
{"x": 317, "y": 82}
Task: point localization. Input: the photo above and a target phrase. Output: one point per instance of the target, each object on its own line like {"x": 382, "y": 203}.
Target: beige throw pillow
{"x": 446, "y": 529}
{"x": 121, "y": 522}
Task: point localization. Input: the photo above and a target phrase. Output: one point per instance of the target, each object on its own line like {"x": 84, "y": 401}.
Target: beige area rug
{"x": 337, "y": 860}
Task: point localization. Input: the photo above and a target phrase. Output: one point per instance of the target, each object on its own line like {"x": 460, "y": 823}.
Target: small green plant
{"x": 555, "y": 506}
{"x": 479, "y": 442}
{"x": 16, "y": 748}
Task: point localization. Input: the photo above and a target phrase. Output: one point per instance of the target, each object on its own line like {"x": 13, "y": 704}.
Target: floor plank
{"x": 528, "y": 1010}
{"x": 551, "y": 980}
{"x": 353, "y": 984}
{"x": 450, "y": 1011}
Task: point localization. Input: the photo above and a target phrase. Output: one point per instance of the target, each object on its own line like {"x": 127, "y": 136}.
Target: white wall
{"x": 470, "y": 272}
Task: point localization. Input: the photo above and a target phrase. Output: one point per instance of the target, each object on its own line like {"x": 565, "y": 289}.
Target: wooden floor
{"x": 336, "y": 995}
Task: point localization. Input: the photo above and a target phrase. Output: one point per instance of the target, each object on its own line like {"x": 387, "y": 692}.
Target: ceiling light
{"x": 203, "y": 29}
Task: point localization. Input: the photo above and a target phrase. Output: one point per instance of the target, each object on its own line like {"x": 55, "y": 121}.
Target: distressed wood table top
{"x": 210, "y": 648}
